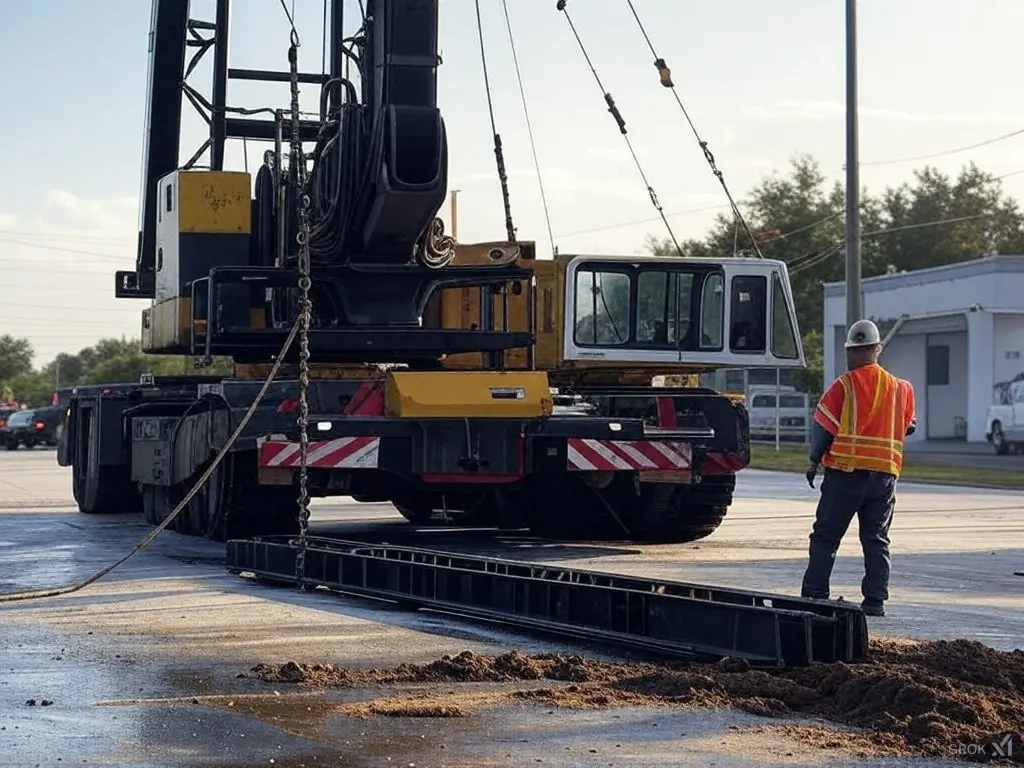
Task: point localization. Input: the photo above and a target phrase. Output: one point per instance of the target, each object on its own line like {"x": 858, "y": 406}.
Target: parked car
{"x": 1005, "y": 422}
{"x": 38, "y": 426}
{"x": 6, "y": 409}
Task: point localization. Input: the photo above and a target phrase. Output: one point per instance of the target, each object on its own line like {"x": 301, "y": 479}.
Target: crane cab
{"x": 687, "y": 312}
{"x": 619, "y": 318}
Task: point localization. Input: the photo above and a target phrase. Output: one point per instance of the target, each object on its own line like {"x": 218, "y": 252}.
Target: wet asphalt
{"x": 147, "y": 667}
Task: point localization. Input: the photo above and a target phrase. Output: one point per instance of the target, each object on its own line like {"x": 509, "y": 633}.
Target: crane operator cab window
{"x": 735, "y": 312}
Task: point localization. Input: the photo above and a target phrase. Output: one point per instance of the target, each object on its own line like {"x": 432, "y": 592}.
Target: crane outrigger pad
{"x": 666, "y": 618}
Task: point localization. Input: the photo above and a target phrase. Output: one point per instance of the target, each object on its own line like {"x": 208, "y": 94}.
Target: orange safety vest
{"x": 867, "y": 411}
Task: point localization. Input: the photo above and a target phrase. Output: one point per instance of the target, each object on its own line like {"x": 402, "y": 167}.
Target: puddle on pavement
{"x": 198, "y": 560}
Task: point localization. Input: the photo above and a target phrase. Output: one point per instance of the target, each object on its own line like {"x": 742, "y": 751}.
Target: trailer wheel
{"x": 233, "y": 505}
{"x": 99, "y": 489}
{"x": 692, "y": 513}
{"x": 621, "y": 509}
{"x": 156, "y": 503}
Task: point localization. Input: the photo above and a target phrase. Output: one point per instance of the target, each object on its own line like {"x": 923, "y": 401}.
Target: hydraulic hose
{"x": 183, "y": 504}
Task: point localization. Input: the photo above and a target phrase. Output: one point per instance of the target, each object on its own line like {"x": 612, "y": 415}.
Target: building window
{"x": 938, "y": 366}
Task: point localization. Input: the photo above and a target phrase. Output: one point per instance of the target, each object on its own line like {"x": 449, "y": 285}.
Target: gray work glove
{"x": 812, "y": 471}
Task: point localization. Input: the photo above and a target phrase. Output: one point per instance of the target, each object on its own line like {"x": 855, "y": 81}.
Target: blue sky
{"x": 763, "y": 82}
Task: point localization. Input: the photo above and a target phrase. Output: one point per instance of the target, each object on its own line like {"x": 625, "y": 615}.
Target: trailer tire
{"x": 233, "y": 505}
{"x": 693, "y": 512}
{"x": 100, "y": 489}
{"x": 156, "y": 503}
{"x": 622, "y": 509}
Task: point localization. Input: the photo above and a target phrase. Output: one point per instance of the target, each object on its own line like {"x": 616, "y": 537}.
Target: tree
{"x": 15, "y": 357}
{"x": 931, "y": 221}
{"x": 982, "y": 220}
{"x": 107, "y": 361}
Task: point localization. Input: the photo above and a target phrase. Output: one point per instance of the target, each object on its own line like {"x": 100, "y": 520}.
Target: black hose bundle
{"x": 347, "y": 156}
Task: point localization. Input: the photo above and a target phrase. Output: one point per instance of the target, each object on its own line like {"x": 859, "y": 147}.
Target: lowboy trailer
{"x": 471, "y": 379}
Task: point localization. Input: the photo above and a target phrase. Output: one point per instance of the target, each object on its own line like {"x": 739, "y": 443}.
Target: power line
{"x": 62, "y": 249}
{"x": 652, "y": 220}
{"x": 636, "y": 222}
{"x": 807, "y": 261}
{"x": 66, "y": 235}
{"x": 944, "y": 153}
{"x": 69, "y": 307}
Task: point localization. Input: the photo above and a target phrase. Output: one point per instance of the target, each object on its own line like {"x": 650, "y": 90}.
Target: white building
{"x": 963, "y": 333}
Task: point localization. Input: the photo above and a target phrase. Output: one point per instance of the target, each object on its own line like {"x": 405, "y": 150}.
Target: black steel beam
{"x": 269, "y": 76}
{"x": 264, "y": 130}
{"x": 352, "y": 345}
{"x": 162, "y": 129}
{"x": 668, "y": 618}
{"x": 218, "y": 115}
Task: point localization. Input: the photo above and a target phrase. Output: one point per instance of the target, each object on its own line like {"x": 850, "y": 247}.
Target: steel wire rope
{"x": 666, "y": 80}
{"x": 183, "y": 504}
{"x": 529, "y": 126}
{"x": 620, "y": 121}
{"x": 499, "y": 155}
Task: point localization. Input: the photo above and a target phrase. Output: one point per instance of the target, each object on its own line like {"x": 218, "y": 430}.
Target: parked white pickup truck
{"x": 1005, "y": 423}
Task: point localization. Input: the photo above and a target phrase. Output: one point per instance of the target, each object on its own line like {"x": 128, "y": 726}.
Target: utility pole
{"x": 454, "y": 212}
{"x": 853, "y": 297}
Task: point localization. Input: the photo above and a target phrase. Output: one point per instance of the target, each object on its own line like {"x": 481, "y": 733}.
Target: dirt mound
{"x": 935, "y": 698}
{"x": 405, "y": 708}
{"x": 466, "y": 667}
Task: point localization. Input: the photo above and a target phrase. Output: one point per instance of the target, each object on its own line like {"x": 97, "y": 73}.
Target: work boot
{"x": 873, "y": 608}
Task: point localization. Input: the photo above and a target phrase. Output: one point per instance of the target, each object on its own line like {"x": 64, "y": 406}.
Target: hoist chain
{"x": 298, "y": 163}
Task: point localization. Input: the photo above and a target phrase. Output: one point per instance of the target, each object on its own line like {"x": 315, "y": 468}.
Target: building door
{"x": 939, "y": 424}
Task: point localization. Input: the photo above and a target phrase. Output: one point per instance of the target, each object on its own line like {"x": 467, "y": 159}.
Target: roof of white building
{"x": 988, "y": 265}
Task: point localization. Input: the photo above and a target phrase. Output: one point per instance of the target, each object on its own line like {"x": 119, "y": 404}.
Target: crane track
{"x": 668, "y": 619}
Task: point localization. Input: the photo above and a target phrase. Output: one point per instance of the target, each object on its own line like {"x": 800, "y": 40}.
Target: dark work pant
{"x": 872, "y": 497}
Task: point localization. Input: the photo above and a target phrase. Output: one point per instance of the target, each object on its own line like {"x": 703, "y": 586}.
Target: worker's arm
{"x": 910, "y": 408}
{"x": 826, "y": 422}
{"x": 821, "y": 441}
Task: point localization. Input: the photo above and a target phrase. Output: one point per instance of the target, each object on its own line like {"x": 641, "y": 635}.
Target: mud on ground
{"x": 908, "y": 699}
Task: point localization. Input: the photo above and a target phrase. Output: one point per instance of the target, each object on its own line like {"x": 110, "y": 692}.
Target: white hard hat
{"x": 863, "y": 333}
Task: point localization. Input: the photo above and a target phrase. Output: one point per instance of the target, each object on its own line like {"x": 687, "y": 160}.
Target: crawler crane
{"x": 474, "y": 382}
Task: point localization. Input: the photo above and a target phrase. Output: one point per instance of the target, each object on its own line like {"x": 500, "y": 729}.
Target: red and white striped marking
{"x": 339, "y": 453}
{"x": 589, "y": 455}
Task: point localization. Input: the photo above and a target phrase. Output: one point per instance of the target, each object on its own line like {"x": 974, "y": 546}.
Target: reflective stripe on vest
{"x": 872, "y": 423}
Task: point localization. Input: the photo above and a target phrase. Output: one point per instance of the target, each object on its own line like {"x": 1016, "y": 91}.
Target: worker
{"x": 857, "y": 434}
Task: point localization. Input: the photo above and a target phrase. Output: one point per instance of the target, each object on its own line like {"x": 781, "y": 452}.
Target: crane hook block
{"x": 664, "y": 73}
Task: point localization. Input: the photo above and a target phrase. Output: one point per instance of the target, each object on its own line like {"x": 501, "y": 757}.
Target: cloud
{"x": 8, "y": 221}
{"x": 821, "y": 111}
{"x": 616, "y": 154}
{"x": 115, "y": 216}
{"x": 564, "y": 183}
